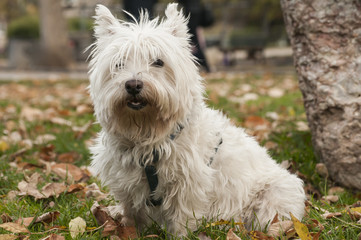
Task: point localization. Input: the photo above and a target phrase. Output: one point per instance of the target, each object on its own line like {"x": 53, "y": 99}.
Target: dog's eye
{"x": 158, "y": 63}
{"x": 119, "y": 65}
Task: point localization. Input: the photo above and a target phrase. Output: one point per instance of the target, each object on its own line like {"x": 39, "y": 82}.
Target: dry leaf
{"x": 76, "y": 187}
{"x": 203, "y": 236}
{"x": 301, "y": 229}
{"x": 69, "y": 157}
{"x": 232, "y": 236}
{"x": 328, "y": 215}
{"x": 25, "y": 221}
{"x": 331, "y": 198}
{"x": 29, "y": 189}
{"x": 53, "y": 189}
{"x": 43, "y": 139}
{"x": 5, "y": 218}
{"x": 93, "y": 191}
{"x": 53, "y": 236}
{"x": 61, "y": 121}
{"x": 335, "y": 190}
{"x": 4, "y": 146}
{"x": 68, "y": 171}
{"x": 14, "y": 227}
{"x": 31, "y": 114}
{"x": 275, "y": 92}
{"x": 48, "y": 217}
{"x": 77, "y": 227}
{"x": 8, "y": 237}
{"x": 278, "y": 229}
{"x": 259, "y": 235}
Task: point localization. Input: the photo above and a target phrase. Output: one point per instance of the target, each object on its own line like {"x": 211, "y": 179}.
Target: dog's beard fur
{"x": 145, "y": 88}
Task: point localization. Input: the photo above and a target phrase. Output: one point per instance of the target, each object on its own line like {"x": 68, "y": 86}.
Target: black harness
{"x": 151, "y": 170}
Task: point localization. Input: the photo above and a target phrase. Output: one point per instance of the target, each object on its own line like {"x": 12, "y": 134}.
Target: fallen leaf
{"x": 68, "y": 171}
{"x": 69, "y": 157}
{"x": 4, "y": 146}
{"x": 301, "y": 229}
{"x": 61, "y": 121}
{"x": 94, "y": 191}
{"x": 25, "y": 221}
{"x": 5, "y": 218}
{"x": 53, "y": 236}
{"x": 232, "y": 236}
{"x": 257, "y": 235}
{"x": 48, "y": 217}
{"x": 14, "y": 227}
{"x": 203, "y": 236}
{"x": 275, "y": 92}
{"x": 278, "y": 229}
{"x": 29, "y": 189}
{"x": 84, "y": 108}
{"x": 331, "y": 198}
{"x": 328, "y": 215}
{"x": 77, "y": 227}
{"x": 8, "y": 237}
{"x": 53, "y": 189}
{"x": 43, "y": 139}
{"x": 335, "y": 190}
{"x": 31, "y": 114}
{"x": 76, "y": 187}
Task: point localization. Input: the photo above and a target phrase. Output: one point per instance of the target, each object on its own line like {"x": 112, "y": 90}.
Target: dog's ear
{"x": 105, "y": 22}
{"x": 175, "y": 21}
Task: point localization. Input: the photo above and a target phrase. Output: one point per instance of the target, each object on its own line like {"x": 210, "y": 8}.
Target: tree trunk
{"x": 56, "y": 51}
{"x": 326, "y": 39}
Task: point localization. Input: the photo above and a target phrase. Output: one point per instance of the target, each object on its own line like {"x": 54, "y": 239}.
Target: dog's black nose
{"x": 134, "y": 86}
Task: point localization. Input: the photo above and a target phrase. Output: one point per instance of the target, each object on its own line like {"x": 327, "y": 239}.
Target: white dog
{"x": 164, "y": 155}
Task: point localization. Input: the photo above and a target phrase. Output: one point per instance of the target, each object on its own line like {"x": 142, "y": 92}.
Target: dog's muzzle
{"x": 134, "y": 100}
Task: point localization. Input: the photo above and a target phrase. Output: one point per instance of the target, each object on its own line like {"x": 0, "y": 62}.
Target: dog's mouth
{"x": 136, "y": 103}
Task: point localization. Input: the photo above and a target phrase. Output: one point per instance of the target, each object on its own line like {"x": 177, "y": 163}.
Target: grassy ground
{"x": 44, "y": 123}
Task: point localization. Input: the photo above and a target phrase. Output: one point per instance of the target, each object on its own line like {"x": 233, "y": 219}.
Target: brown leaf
{"x": 8, "y": 237}
{"x": 279, "y": 228}
{"x": 335, "y": 190}
{"x": 29, "y": 189}
{"x": 112, "y": 227}
{"x": 53, "y": 236}
{"x": 53, "y": 189}
{"x": 68, "y": 171}
{"x": 14, "y": 227}
{"x": 93, "y": 191}
{"x": 76, "y": 187}
{"x": 260, "y": 235}
{"x": 203, "y": 236}
{"x": 5, "y": 218}
{"x": 25, "y": 221}
{"x": 47, "y": 153}
{"x": 232, "y": 236}
{"x": 69, "y": 157}
{"x": 31, "y": 114}
{"x": 48, "y": 217}
{"x": 330, "y": 198}
{"x": 328, "y": 215}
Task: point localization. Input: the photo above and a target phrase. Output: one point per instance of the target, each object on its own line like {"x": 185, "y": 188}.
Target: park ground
{"x": 47, "y": 190}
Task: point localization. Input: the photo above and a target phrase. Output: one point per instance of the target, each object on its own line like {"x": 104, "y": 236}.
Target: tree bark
{"x": 326, "y": 39}
{"x": 56, "y": 51}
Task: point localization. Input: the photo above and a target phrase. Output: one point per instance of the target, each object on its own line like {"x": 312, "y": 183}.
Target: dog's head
{"x": 143, "y": 76}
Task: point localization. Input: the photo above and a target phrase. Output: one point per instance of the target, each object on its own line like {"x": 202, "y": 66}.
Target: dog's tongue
{"x": 136, "y": 104}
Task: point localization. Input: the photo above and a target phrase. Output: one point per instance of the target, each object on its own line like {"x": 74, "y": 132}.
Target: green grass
{"x": 289, "y": 144}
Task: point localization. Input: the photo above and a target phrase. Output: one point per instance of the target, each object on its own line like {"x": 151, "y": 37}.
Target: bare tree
{"x": 326, "y": 39}
{"x": 55, "y": 49}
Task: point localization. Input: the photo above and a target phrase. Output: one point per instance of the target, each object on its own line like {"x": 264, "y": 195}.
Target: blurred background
{"x": 51, "y": 35}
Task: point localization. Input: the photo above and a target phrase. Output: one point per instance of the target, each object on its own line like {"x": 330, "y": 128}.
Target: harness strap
{"x": 152, "y": 177}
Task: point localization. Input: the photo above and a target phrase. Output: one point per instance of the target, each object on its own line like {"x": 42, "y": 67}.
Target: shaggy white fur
{"x": 148, "y": 97}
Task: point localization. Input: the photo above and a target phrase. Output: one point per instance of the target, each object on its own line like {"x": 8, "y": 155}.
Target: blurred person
{"x": 195, "y": 9}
